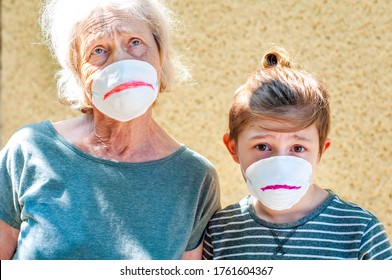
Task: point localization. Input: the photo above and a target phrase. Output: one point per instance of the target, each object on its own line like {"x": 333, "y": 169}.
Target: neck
{"x": 120, "y": 138}
{"x": 138, "y": 140}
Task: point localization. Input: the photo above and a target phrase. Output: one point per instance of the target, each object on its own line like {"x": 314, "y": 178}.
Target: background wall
{"x": 348, "y": 43}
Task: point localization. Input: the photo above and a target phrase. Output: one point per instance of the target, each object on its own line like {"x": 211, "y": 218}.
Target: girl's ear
{"x": 230, "y": 145}
{"x": 326, "y": 146}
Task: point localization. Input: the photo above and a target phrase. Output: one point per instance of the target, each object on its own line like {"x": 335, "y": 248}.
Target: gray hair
{"x": 60, "y": 19}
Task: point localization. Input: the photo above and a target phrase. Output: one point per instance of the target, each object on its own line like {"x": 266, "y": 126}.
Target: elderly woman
{"x": 111, "y": 183}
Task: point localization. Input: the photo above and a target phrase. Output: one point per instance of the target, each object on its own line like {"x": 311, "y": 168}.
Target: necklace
{"x": 281, "y": 242}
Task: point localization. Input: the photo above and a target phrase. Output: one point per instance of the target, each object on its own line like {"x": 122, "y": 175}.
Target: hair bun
{"x": 275, "y": 57}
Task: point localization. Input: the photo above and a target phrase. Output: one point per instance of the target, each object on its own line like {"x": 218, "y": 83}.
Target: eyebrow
{"x": 267, "y": 135}
{"x": 93, "y": 39}
{"x": 104, "y": 34}
{"x": 301, "y": 138}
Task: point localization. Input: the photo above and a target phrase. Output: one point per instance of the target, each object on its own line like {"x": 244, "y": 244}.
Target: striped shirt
{"x": 335, "y": 230}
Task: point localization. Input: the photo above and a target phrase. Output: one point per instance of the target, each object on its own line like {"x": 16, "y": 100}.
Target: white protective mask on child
{"x": 279, "y": 182}
{"x": 125, "y": 89}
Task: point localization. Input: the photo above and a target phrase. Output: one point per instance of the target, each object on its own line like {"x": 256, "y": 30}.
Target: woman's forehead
{"x": 109, "y": 21}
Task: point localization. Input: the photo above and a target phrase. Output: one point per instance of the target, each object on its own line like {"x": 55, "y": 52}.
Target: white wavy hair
{"x": 60, "y": 20}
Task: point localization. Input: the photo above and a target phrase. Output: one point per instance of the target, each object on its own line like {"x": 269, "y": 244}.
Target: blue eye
{"x": 98, "y": 51}
{"x": 262, "y": 147}
{"x": 299, "y": 149}
{"x": 135, "y": 43}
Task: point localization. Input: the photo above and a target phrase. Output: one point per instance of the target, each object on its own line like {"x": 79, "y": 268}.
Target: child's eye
{"x": 262, "y": 147}
{"x": 299, "y": 149}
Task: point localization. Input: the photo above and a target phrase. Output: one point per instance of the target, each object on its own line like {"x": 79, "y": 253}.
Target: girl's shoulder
{"x": 340, "y": 206}
{"x": 233, "y": 211}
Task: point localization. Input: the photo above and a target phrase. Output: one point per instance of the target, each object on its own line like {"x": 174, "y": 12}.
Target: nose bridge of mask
{"x": 279, "y": 168}
{"x": 123, "y": 71}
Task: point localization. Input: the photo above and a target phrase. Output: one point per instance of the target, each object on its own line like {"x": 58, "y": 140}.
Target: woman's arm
{"x": 8, "y": 241}
{"x": 195, "y": 254}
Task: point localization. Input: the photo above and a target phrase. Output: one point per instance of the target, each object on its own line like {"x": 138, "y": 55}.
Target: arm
{"x": 194, "y": 254}
{"x": 8, "y": 241}
{"x": 207, "y": 207}
{"x": 375, "y": 243}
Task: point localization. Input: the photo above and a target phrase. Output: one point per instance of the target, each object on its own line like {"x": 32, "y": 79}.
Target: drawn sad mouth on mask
{"x": 279, "y": 182}
{"x": 280, "y": 187}
{"x": 127, "y": 85}
{"x": 125, "y": 90}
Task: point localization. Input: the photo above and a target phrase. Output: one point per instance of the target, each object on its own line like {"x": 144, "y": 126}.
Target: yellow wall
{"x": 347, "y": 42}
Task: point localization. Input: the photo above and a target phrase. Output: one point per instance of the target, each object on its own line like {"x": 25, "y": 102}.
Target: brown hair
{"x": 278, "y": 92}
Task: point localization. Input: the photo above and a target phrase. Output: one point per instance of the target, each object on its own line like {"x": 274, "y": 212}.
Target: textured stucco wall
{"x": 348, "y": 43}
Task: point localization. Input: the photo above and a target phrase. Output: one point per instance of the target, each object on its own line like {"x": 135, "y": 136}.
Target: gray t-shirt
{"x": 71, "y": 205}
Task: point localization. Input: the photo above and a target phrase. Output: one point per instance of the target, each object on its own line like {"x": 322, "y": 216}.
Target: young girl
{"x": 278, "y": 128}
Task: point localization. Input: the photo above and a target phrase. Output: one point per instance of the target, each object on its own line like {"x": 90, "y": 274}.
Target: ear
{"x": 326, "y": 146}
{"x": 231, "y": 147}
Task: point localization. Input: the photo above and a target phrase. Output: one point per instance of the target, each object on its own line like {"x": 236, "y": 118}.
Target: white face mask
{"x": 279, "y": 182}
{"x": 125, "y": 89}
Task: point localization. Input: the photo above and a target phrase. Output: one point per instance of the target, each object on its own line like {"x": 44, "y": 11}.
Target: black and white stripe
{"x": 336, "y": 230}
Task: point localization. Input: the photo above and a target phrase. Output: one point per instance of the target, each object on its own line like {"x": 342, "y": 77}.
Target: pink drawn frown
{"x": 127, "y": 85}
{"x": 278, "y": 187}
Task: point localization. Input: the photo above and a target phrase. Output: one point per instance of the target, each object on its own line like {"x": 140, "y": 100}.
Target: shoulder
{"x": 194, "y": 161}
{"x": 374, "y": 242}
{"x": 196, "y": 158}
{"x": 233, "y": 211}
{"x": 344, "y": 207}
{"x": 191, "y": 170}
{"x": 340, "y": 211}
{"x": 30, "y": 133}
{"x": 27, "y": 136}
